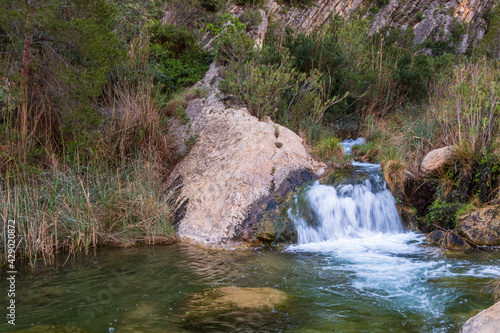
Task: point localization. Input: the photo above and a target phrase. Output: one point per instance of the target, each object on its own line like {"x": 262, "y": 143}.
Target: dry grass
{"x": 77, "y": 209}
{"x": 395, "y": 174}
{"x": 105, "y": 192}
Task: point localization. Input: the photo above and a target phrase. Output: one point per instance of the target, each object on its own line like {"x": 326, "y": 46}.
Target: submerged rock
{"x": 486, "y": 321}
{"x": 448, "y": 240}
{"x": 225, "y": 298}
{"x": 436, "y": 160}
{"x": 233, "y": 166}
{"x": 482, "y": 226}
{"x": 228, "y": 309}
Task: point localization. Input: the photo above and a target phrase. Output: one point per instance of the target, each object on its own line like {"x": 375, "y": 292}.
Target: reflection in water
{"x": 149, "y": 289}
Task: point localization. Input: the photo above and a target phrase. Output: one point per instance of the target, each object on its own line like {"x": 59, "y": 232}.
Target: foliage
{"x": 251, "y": 18}
{"x": 63, "y": 50}
{"x": 469, "y": 107}
{"x": 252, "y": 3}
{"x": 328, "y": 148}
{"x": 279, "y": 91}
{"x": 213, "y": 5}
{"x": 80, "y": 208}
{"x": 177, "y": 60}
{"x": 443, "y": 214}
{"x": 133, "y": 17}
{"x": 299, "y": 3}
{"x": 233, "y": 44}
{"x": 490, "y": 44}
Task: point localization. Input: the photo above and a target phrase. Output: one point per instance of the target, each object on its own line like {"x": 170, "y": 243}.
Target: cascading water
{"x": 351, "y": 219}
{"x": 360, "y": 208}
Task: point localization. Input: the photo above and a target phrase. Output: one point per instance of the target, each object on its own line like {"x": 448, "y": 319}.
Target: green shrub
{"x": 213, "y": 5}
{"x": 233, "y": 44}
{"x": 253, "y": 3}
{"x": 443, "y": 214}
{"x": 279, "y": 91}
{"x": 329, "y": 148}
{"x": 176, "y": 59}
{"x": 251, "y": 18}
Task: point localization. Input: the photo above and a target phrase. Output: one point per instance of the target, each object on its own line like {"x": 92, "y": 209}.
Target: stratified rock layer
{"x": 233, "y": 165}
{"x": 486, "y": 321}
{"x": 482, "y": 226}
{"x": 428, "y": 18}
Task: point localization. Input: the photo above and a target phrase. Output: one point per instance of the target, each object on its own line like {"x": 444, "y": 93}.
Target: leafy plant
{"x": 251, "y": 18}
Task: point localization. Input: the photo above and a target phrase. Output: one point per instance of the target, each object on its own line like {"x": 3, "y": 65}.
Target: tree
{"x": 62, "y": 50}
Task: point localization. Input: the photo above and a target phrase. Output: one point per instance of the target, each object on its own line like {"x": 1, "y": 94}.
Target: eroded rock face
{"x": 447, "y": 240}
{"x": 436, "y": 160}
{"x": 486, "y": 321}
{"x": 429, "y": 18}
{"x": 482, "y": 226}
{"x": 233, "y": 165}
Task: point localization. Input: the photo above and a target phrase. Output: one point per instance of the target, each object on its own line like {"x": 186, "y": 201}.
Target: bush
{"x": 279, "y": 91}
{"x": 233, "y": 44}
{"x": 176, "y": 59}
{"x": 299, "y": 3}
{"x": 253, "y": 3}
{"x": 329, "y": 148}
{"x": 213, "y": 5}
{"x": 251, "y": 18}
{"x": 64, "y": 210}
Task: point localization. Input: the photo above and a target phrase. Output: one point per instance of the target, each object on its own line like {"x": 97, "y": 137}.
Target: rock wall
{"x": 236, "y": 162}
{"x": 429, "y": 18}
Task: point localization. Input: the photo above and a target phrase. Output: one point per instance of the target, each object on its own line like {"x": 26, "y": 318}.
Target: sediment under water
{"x": 354, "y": 269}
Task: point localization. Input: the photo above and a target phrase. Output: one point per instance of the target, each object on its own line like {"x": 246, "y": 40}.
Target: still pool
{"x": 379, "y": 283}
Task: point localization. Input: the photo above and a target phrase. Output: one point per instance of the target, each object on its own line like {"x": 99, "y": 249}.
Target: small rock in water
{"x": 111, "y": 330}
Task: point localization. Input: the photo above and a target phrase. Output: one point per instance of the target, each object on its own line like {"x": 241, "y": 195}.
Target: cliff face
{"x": 435, "y": 19}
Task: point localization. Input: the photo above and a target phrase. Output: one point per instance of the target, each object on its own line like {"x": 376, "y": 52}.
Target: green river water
{"x": 147, "y": 289}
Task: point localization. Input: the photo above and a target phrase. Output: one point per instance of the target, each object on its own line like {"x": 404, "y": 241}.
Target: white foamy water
{"x": 358, "y": 228}
{"x": 346, "y": 212}
{"x": 348, "y": 144}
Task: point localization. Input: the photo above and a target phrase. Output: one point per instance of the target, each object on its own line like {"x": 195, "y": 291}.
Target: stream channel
{"x": 354, "y": 269}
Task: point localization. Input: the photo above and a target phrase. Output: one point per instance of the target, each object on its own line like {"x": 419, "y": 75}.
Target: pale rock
{"x": 436, "y": 160}
{"x": 233, "y": 165}
{"x": 486, "y": 321}
{"x": 438, "y": 17}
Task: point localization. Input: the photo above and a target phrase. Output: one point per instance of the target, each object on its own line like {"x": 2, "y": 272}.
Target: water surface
{"x": 384, "y": 285}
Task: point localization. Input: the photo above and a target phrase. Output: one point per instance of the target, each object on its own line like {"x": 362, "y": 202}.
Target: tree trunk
{"x": 26, "y": 78}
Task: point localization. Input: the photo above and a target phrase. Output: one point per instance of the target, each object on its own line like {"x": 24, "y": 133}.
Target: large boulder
{"x": 447, "y": 240}
{"x": 486, "y": 321}
{"x": 482, "y": 226}
{"x": 235, "y": 165}
{"x": 436, "y": 160}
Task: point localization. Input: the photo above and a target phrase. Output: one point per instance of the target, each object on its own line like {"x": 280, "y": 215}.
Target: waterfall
{"x": 359, "y": 205}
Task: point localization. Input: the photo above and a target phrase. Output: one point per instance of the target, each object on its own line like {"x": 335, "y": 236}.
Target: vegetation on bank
{"x": 84, "y": 141}
{"x": 88, "y": 88}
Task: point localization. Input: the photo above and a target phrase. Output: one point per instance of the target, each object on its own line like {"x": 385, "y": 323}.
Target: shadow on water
{"x": 152, "y": 290}
{"x": 354, "y": 270}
